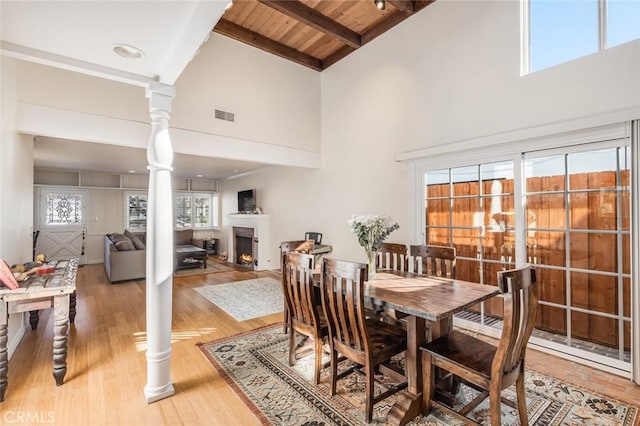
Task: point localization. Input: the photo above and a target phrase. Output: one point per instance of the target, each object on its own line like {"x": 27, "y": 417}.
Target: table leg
{"x": 4, "y": 356}
{"x": 34, "y": 318}
{"x": 409, "y": 403}
{"x": 61, "y": 327}
{"x": 204, "y": 260}
{"x": 72, "y": 307}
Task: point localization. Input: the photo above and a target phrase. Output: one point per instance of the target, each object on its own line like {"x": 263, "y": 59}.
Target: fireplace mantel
{"x": 261, "y": 224}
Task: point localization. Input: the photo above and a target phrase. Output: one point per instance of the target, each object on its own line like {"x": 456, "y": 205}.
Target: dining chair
{"x": 305, "y": 313}
{"x": 299, "y": 246}
{"x": 435, "y": 261}
{"x": 486, "y": 367}
{"x": 392, "y": 256}
{"x": 315, "y": 236}
{"x": 365, "y": 341}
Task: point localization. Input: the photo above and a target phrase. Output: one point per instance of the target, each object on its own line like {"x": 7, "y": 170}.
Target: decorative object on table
{"x": 371, "y": 230}
{"x": 256, "y": 365}
{"x": 29, "y": 268}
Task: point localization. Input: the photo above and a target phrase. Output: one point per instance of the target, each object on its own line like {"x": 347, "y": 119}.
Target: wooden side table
{"x": 37, "y": 293}
{"x": 210, "y": 245}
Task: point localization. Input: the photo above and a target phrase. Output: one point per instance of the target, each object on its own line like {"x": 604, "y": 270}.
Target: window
{"x": 560, "y": 31}
{"x": 196, "y": 210}
{"x": 574, "y": 225}
{"x": 135, "y": 211}
{"x": 578, "y": 235}
{"x": 623, "y": 21}
{"x": 63, "y": 208}
{"x": 183, "y": 211}
{"x": 191, "y": 210}
{"x": 472, "y": 209}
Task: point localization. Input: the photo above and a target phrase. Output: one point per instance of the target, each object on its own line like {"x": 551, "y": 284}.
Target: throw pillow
{"x": 137, "y": 243}
{"x": 121, "y": 242}
{"x": 183, "y": 237}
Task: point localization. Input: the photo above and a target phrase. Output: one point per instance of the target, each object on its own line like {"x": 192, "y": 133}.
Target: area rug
{"x": 255, "y": 365}
{"x": 247, "y": 299}
{"x": 212, "y": 267}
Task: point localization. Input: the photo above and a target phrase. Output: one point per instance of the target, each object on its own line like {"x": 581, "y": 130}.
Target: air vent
{"x": 225, "y": 115}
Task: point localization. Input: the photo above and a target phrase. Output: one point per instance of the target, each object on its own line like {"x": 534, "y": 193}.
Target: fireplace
{"x": 246, "y": 246}
{"x": 253, "y": 238}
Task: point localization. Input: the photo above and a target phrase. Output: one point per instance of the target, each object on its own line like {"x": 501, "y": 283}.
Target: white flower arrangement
{"x": 372, "y": 230}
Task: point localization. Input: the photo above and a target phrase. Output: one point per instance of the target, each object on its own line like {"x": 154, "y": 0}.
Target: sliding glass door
{"x": 566, "y": 210}
{"x": 578, "y": 235}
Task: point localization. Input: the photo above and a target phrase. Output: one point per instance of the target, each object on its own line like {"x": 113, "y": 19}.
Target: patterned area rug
{"x": 255, "y": 365}
{"x": 212, "y": 267}
{"x": 247, "y": 299}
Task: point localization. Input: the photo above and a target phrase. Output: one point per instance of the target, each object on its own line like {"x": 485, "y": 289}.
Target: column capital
{"x": 160, "y": 96}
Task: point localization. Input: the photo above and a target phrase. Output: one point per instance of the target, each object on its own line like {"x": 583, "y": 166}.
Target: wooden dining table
{"x": 430, "y": 303}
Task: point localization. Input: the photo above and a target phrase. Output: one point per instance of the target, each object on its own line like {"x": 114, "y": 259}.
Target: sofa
{"x": 125, "y": 255}
{"x": 125, "y": 263}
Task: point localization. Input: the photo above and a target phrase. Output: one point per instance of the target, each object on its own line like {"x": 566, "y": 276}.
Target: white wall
{"x": 275, "y": 101}
{"x": 450, "y": 73}
{"x": 279, "y": 107}
{"x": 16, "y": 182}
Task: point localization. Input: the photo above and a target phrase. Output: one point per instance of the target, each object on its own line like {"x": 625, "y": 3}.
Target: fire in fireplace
{"x": 246, "y": 246}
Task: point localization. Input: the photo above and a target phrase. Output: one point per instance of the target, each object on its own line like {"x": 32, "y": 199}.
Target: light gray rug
{"x": 247, "y": 299}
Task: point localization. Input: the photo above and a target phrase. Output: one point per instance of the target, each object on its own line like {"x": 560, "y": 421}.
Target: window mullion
{"x": 602, "y": 25}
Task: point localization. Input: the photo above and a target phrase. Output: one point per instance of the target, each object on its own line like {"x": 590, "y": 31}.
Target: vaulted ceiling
{"x": 313, "y": 33}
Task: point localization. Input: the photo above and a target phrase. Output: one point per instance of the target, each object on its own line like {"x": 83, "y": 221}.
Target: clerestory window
{"x": 562, "y": 30}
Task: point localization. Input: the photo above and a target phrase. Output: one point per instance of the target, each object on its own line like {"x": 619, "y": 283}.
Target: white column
{"x": 159, "y": 245}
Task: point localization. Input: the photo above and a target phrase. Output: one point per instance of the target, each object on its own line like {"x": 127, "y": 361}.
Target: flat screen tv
{"x": 247, "y": 201}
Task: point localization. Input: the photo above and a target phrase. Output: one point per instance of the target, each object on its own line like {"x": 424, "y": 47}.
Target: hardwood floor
{"x": 107, "y": 368}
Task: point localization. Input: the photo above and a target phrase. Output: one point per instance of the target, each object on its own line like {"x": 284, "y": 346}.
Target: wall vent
{"x": 225, "y": 115}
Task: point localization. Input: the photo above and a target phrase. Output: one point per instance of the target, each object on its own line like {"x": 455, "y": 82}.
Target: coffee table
{"x": 189, "y": 256}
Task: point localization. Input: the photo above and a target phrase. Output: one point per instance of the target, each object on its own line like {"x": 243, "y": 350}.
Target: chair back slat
{"x": 343, "y": 302}
{"x": 392, "y": 256}
{"x": 435, "y": 261}
{"x": 518, "y": 287}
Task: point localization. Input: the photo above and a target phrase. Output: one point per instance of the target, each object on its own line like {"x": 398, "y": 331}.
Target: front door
{"x": 62, "y": 217}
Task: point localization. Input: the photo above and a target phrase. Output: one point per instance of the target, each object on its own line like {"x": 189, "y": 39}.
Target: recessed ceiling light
{"x": 235, "y": 170}
{"x": 127, "y": 51}
{"x": 198, "y": 175}
{"x": 132, "y": 171}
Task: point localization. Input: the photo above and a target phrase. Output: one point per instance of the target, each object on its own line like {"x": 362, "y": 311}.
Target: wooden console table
{"x": 39, "y": 292}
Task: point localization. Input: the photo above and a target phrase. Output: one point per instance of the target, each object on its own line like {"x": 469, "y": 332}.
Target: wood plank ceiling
{"x": 313, "y": 33}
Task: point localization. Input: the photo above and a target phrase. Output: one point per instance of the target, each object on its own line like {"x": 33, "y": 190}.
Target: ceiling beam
{"x": 388, "y": 23}
{"x": 391, "y": 21}
{"x": 336, "y": 56}
{"x": 316, "y": 20}
{"x": 404, "y": 6}
{"x": 254, "y": 39}
{"x": 421, "y": 4}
